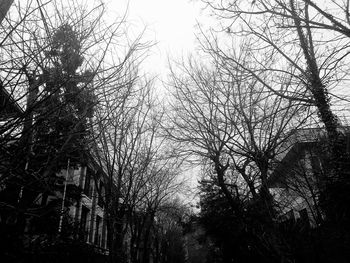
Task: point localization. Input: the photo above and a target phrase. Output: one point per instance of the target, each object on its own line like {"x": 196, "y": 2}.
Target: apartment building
{"x": 295, "y": 180}
{"x": 87, "y": 212}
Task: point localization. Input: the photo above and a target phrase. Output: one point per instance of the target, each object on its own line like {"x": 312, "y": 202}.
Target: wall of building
{"x": 88, "y": 212}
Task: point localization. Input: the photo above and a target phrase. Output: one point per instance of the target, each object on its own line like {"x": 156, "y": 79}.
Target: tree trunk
{"x": 116, "y": 239}
{"x": 146, "y": 247}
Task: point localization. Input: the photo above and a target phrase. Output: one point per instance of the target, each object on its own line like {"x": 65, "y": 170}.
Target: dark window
{"x": 304, "y": 217}
{"x": 101, "y": 195}
{"x": 104, "y": 234}
{"x": 84, "y": 222}
{"x": 316, "y": 164}
{"x": 88, "y": 183}
{"x": 97, "y": 240}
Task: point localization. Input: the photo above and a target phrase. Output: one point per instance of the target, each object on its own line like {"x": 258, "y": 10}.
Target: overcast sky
{"x": 169, "y": 23}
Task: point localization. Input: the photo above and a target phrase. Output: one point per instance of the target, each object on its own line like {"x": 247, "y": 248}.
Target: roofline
{"x": 8, "y": 101}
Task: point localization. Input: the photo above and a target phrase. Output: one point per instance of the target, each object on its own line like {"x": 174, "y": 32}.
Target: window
{"x": 316, "y": 164}
{"x": 84, "y": 223}
{"x": 98, "y": 231}
{"x": 101, "y": 195}
{"x": 304, "y": 217}
{"x": 104, "y": 234}
{"x": 88, "y": 186}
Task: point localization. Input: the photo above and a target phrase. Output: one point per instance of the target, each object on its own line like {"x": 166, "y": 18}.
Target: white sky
{"x": 172, "y": 25}
{"x": 169, "y": 23}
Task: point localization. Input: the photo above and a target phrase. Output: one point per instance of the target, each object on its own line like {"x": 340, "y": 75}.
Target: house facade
{"x": 38, "y": 208}
{"x": 87, "y": 212}
{"x": 296, "y": 178}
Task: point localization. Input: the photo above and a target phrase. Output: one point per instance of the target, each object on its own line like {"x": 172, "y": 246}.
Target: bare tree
{"x": 232, "y": 121}
{"x": 168, "y": 241}
{"x": 59, "y": 64}
{"x": 309, "y": 39}
{"x": 128, "y": 148}
{"x": 234, "y": 114}
{"x": 310, "y": 42}
{"x": 36, "y": 71}
{"x": 162, "y": 186}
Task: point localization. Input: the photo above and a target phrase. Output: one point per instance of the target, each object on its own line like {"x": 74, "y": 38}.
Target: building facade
{"x": 87, "y": 212}
{"x": 297, "y": 176}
